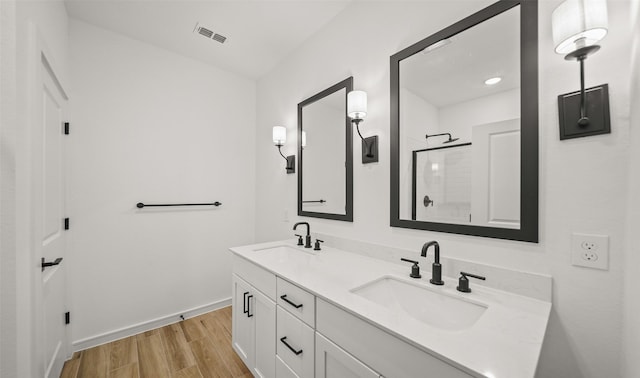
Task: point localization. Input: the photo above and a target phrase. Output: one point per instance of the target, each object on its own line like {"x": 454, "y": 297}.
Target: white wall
{"x": 8, "y": 130}
{"x": 583, "y": 182}
{"x": 459, "y": 119}
{"x": 155, "y": 127}
{"x": 631, "y": 346}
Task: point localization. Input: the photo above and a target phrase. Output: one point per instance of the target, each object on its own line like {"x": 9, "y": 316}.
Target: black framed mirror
{"x": 464, "y": 127}
{"x": 325, "y": 157}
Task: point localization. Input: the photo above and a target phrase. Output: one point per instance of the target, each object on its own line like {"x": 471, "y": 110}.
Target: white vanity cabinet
{"x": 254, "y": 318}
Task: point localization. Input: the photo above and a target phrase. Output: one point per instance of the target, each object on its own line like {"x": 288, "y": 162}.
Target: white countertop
{"x": 504, "y": 342}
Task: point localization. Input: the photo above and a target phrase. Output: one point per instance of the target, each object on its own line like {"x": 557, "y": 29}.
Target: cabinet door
{"x": 283, "y": 371}
{"x": 263, "y": 310}
{"x": 333, "y": 362}
{"x": 243, "y": 326}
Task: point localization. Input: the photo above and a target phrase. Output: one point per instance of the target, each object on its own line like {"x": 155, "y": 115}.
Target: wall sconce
{"x": 279, "y": 138}
{"x": 304, "y": 139}
{"x": 357, "y": 110}
{"x": 578, "y": 25}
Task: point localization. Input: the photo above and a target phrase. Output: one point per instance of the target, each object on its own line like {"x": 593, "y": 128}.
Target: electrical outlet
{"x": 590, "y": 251}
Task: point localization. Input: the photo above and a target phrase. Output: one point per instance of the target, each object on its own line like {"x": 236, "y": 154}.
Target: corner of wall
{"x": 631, "y": 300}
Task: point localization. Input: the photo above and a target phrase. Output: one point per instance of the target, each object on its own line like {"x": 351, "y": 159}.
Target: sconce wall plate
{"x": 597, "y": 109}
{"x": 372, "y": 142}
{"x": 291, "y": 164}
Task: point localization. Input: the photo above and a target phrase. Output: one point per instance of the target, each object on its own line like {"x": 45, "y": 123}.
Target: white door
{"x": 243, "y": 326}
{"x": 48, "y": 233}
{"x": 263, "y": 310}
{"x": 495, "y": 181}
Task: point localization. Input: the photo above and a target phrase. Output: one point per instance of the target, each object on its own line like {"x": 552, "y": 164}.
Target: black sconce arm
{"x": 364, "y": 140}
{"x": 584, "y": 120}
{"x": 290, "y": 167}
{"x": 281, "y": 154}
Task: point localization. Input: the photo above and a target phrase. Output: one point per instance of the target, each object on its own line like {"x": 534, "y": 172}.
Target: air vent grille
{"x": 219, "y": 38}
{"x": 208, "y": 33}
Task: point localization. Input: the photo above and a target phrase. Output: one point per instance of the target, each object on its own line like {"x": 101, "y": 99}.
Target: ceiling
{"x": 456, "y": 72}
{"x": 260, "y": 33}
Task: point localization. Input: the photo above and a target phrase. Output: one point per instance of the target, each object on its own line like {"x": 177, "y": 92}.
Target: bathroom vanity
{"x": 333, "y": 313}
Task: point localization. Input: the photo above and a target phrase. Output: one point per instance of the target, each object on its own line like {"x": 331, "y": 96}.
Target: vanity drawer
{"x": 283, "y": 371}
{"x": 258, "y": 277}
{"x": 297, "y": 301}
{"x": 295, "y": 343}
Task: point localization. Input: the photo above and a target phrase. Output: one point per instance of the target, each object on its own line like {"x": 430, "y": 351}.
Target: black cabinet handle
{"x": 244, "y": 303}
{"x": 284, "y": 298}
{"x": 297, "y": 352}
{"x": 53, "y": 263}
{"x": 249, "y": 314}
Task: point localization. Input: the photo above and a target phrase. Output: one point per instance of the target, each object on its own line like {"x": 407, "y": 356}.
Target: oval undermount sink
{"x": 422, "y": 303}
{"x": 288, "y": 254}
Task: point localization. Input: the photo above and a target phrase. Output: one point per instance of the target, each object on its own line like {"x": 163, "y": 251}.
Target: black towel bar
{"x": 140, "y": 205}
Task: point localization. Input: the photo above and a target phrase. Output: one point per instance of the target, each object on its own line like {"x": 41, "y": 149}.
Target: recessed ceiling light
{"x": 437, "y": 45}
{"x": 493, "y": 80}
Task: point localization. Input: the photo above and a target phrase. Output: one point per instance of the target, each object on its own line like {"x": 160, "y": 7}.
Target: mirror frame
{"x": 528, "y": 231}
{"x": 346, "y": 84}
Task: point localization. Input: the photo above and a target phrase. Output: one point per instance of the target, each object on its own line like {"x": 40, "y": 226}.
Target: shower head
{"x": 446, "y": 141}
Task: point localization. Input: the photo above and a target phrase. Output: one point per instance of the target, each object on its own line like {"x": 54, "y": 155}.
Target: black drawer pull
{"x": 249, "y": 314}
{"x": 284, "y": 298}
{"x": 244, "y": 303}
{"x": 297, "y": 352}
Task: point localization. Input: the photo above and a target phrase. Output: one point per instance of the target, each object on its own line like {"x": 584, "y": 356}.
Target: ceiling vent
{"x": 208, "y": 33}
{"x": 219, "y": 38}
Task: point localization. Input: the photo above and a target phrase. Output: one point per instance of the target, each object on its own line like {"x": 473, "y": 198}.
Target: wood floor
{"x": 194, "y": 348}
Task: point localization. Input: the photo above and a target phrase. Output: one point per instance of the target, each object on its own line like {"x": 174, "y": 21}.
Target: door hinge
{"x": 67, "y": 317}
{"x": 66, "y": 223}
{"x": 66, "y": 128}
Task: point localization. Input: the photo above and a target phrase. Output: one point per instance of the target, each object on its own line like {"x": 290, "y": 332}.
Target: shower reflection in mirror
{"x": 453, "y": 181}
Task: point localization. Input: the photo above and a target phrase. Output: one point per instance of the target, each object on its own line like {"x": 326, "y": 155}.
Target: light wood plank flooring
{"x": 199, "y": 347}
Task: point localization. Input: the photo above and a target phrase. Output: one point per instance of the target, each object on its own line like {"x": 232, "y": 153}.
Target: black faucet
{"x": 436, "y": 268}
{"x": 307, "y": 238}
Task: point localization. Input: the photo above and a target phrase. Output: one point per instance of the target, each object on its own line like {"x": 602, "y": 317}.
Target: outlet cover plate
{"x": 590, "y": 251}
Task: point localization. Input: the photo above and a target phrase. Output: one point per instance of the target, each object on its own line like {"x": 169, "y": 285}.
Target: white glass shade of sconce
{"x": 578, "y": 23}
{"x": 279, "y": 135}
{"x": 304, "y": 139}
{"x": 357, "y": 104}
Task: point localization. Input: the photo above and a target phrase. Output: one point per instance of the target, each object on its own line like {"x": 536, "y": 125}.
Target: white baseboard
{"x": 121, "y": 333}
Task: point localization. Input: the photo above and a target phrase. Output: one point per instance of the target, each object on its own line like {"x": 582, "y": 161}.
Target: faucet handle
{"x": 415, "y": 269}
{"x": 317, "y": 245}
{"x": 300, "y": 242}
{"x": 463, "y": 281}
